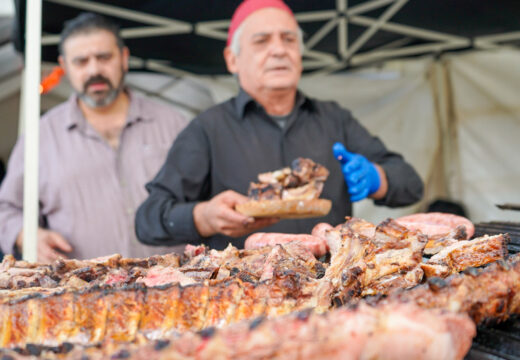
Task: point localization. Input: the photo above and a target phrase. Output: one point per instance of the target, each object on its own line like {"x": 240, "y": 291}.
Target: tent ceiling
{"x": 189, "y": 35}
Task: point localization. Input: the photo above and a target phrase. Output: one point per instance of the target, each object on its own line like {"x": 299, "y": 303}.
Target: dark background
{"x": 468, "y": 18}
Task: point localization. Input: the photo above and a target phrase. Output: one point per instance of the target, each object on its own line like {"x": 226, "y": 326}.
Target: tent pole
{"x": 33, "y": 29}
{"x": 342, "y": 6}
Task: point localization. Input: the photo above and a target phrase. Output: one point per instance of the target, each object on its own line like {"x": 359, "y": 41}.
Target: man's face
{"x": 270, "y": 54}
{"x": 95, "y": 66}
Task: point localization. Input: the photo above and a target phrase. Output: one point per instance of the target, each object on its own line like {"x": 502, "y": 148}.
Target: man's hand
{"x": 51, "y": 245}
{"x": 218, "y": 216}
{"x": 362, "y": 177}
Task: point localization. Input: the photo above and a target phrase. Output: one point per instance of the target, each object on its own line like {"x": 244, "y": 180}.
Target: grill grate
{"x": 500, "y": 341}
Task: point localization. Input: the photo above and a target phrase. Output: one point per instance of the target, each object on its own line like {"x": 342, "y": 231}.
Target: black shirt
{"x": 227, "y": 146}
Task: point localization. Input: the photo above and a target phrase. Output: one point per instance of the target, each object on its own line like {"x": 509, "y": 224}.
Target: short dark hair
{"x": 85, "y": 23}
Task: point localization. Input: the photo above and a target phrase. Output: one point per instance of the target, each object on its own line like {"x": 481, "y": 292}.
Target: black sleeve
{"x": 405, "y": 187}
{"x": 166, "y": 216}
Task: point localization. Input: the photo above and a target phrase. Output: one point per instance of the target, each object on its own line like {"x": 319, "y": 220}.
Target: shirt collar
{"x": 243, "y": 101}
{"x": 136, "y": 112}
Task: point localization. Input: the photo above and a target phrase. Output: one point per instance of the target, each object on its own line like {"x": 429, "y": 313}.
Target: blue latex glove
{"x": 360, "y": 174}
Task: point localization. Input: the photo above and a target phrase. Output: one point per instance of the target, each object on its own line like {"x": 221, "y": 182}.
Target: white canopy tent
{"x": 453, "y": 117}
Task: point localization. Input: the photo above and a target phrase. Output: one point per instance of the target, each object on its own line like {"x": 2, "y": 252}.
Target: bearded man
{"x": 97, "y": 150}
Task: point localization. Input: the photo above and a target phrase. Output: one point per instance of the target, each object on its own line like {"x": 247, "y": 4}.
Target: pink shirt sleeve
{"x": 11, "y": 199}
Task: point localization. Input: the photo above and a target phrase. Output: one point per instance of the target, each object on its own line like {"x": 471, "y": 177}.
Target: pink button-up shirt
{"x": 89, "y": 191}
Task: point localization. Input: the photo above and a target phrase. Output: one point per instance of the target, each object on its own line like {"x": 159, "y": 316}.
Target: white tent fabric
{"x": 486, "y": 118}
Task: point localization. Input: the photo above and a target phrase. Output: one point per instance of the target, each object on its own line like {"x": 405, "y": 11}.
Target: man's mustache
{"x": 96, "y": 80}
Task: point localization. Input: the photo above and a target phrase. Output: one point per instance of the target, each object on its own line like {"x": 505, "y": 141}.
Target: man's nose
{"x": 278, "y": 46}
{"x": 93, "y": 66}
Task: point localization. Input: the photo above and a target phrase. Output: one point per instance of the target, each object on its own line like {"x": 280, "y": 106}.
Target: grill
{"x": 500, "y": 341}
{"x": 497, "y": 342}
{"x": 492, "y": 342}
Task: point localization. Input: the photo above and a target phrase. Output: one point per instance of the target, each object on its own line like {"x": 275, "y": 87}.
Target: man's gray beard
{"x": 106, "y": 100}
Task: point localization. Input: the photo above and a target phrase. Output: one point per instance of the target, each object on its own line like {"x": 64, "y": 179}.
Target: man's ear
{"x": 61, "y": 61}
{"x": 126, "y": 55}
{"x": 231, "y": 60}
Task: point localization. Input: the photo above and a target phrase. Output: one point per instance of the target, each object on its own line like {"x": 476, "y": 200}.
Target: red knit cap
{"x": 247, "y": 7}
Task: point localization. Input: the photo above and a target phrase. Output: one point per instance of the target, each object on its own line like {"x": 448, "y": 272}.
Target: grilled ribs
{"x": 488, "y": 294}
{"x": 135, "y": 300}
{"x": 467, "y": 253}
{"x": 198, "y": 264}
{"x": 212, "y": 288}
{"x": 368, "y": 260}
{"x": 303, "y": 180}
{"x": 335, "y": 335}
{"x": 109, "y": 270}
{"x": 99, "y": 314}
{"x": 391, "y": 331}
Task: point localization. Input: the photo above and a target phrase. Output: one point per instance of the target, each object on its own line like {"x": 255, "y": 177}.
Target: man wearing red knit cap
{"x": 266, "y": 126}
{"x": 247, "y": 7}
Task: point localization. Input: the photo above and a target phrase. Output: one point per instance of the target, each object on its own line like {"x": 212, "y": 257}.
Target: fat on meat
{"x": 436, "y": 223}
{"x": 318, "y": 246}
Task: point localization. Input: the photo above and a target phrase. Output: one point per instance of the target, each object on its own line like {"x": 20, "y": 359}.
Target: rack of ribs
{"x": 97, "y": 314}
{"x": 490, "y": 294}
{"x": 390, "y": 331}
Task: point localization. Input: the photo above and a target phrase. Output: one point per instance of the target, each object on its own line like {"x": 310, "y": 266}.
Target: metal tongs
{"x": 508, "y": 206}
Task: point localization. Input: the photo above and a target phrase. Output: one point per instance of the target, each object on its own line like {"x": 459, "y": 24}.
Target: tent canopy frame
{"x": 318, "y": 62}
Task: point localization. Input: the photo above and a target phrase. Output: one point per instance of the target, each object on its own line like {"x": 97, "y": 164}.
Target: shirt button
{"x": 130, "y": 211}
{"x": 171, "y": 223}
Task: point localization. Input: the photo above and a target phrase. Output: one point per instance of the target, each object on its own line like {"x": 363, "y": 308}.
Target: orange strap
{"x": 51, "y": 80}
